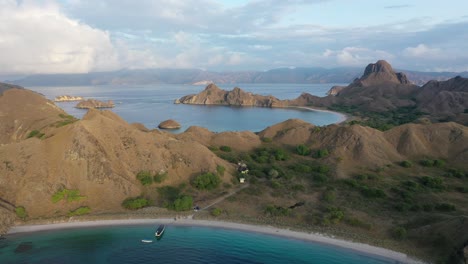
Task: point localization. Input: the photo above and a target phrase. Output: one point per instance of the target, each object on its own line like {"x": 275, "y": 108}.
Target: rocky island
{"x": 91, "y": 103}
{"x": 68, "y": 98}
{"x": 169, "y": 124}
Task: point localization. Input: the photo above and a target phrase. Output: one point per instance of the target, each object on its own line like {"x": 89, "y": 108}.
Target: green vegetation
{"x": 173, "y": 198}
{"x": 135, "y": 203}
{"x": 145, "y": 177}
{"x": 382, "y": 120}
{"x": 267, "y": 140}
{"x": 68, "y": 195}
{"x": 80, "y": 211}
{"x": 21, "y": 212}
{"x": 432, "y": 163}
{"x": 67, "y": 119}
{"x": 272, "y": 210}
{"x": 406, "y": 164}
{"x": 216, "y": 212}
{"x": 399, "y": 233}
{"x": 206, "y": 181}
{"x": 225, "y": 148}
{"x": 182, "y": 203}
{"x": 302, "y": 150}
{"x": 321, "y": 153}
{"x": 160, "y": 177}
{"x": 36, "y": 133}
{"x": 220, "y": 170}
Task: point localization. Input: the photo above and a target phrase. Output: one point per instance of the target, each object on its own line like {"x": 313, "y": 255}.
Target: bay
{"x": 152, "y": 104}
{"x": 179, "y": 244}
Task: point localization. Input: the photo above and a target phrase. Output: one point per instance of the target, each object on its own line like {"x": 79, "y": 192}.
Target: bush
{"x": 220, "y": 170}
{"x": 433, "y": 182}
{"x": 406, "y": 164}
{"x": 225, "y": 148}
{"x": 372, "y": 192}
{"x": 280, "y": 154}
{"x": 426, "y": 163}
{"x": 320, "y": 178}
{"x": 216, "y": 212}
{"x": 357, "y": 223}
{"x": 272, "y": 210}
{"x": 69, "y": 195}
{"x": 302, "y": 150}
{"x": 35, "y": 133}
{"x": 21, "y": 212}
{"x": 334, "y": 215}
{"x": 329, "y": 196}
{"x": 183, "y": 203}
{"x": 160, "y": 177}
{"x": 207, "y": 181}
{"x": 298, "y": 187}
{"x": 145, "y": 178}
{"x": 80, "y": 211}
{"x": 267, "y": 140}
{"x": 135, "y": 203}
{"x": 321, "y": 153}
{"x": 399, "y": 233}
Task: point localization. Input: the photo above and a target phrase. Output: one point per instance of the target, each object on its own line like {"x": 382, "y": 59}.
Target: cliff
{"x": 213, "y": 95}
{"x": 91, "y": 103}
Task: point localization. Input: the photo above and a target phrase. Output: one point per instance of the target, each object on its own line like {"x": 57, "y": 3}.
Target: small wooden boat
{"x": 160, "y": 230}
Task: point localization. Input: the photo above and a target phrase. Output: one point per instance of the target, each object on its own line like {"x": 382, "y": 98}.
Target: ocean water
{"x": 179, "y": 244}
{"x": 152, "y": 104}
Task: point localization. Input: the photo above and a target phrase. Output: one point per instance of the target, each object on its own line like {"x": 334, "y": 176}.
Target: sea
{"x": 149, "y": 105}
{"x": 152, "y": 104}
{"x": 179, "y": 244}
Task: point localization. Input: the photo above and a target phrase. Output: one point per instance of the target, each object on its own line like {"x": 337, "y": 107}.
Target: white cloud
{"x": 356, "y": 56}
{"x": 421, "y": 51}
{"x": 39, "y": 38}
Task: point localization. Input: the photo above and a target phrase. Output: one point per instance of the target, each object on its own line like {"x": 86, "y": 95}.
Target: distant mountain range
{"x": 191, "y": 76}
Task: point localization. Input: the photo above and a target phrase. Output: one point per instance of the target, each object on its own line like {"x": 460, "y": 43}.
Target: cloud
{"x": 39, "y": 38}
{"x": 356, "y": 56}
{"x": 422, "y": 51}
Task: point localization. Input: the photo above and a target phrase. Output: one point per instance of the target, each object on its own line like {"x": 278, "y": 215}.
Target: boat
{"x": 146, "y": 241}
{"x": 160, "y": 231}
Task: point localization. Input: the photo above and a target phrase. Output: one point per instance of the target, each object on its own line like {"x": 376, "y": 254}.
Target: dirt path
{"x": 222, "y": 198}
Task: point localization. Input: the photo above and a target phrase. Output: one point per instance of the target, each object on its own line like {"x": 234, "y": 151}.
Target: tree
{"x": 302, "y": 150}
{"x": 207, "y": 181}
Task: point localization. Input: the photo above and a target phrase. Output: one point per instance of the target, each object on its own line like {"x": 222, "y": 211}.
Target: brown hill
{"x": 213, "y": 95}
{"x": 23, "y": 111}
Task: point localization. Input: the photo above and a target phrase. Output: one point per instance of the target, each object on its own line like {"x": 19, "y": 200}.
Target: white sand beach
{"x": 313, "y": 237}
{"x": 343, "y": 117}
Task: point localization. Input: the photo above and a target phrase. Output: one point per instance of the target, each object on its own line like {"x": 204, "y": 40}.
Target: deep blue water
{"x": 179, "y": 244}
{"x": 152, "y": 104}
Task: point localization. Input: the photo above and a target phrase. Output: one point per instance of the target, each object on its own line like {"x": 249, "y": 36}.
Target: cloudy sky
{"x": 77, "y": 36}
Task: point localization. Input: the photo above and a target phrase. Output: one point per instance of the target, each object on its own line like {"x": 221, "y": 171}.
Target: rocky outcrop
{"x": 381, "y": 72}
{"x": 91, "y": 103}
{"x": 68, "y": 98}
{"x": 169, "y": 124}
{"x": 6, "y": 86}
{"x": 213, "y": 95}
{"x": 335, "y": 90}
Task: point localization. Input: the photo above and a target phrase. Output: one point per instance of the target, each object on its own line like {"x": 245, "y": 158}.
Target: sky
{"x": 80, "y": 36}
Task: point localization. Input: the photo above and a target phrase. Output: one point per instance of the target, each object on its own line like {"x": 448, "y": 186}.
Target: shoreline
{"x": 188, "y": 221}
{"x": 343, "y": 117}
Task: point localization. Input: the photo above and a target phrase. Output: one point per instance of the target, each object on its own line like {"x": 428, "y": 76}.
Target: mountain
{"x": 213, "y": 95}
{"x": 190, "y": 76}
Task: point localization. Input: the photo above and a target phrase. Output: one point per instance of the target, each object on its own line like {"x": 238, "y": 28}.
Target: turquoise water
{"x": 152, "y": 104}
{"x": 179, "y": 244}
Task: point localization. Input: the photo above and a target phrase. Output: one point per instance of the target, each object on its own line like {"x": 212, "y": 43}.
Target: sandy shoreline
{"x": 312, "y": 237}
{"x": 343, "y": 117}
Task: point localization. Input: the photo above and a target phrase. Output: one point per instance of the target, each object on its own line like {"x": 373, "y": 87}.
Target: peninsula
{"x": 91, "y": 103}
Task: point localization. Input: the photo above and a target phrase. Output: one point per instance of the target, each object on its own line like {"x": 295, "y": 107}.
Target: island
{"x": 68, "y": 98}
{"x": 169, "y": 124}
{"x": 91, "y": 103}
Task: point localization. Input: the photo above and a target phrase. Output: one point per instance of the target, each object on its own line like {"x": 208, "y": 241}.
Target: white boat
{"x": 146, "y": 241}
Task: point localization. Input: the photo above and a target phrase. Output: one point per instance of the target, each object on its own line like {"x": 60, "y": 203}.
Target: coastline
{"x": 189, "y": 221}
{"x": 343, "y": 117}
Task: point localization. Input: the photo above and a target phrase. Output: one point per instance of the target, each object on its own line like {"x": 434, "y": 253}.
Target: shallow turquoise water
{"x": 179, "y": 244}
{"x": 153, "y": 104}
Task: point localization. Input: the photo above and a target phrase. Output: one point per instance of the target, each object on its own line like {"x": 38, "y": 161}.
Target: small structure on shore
{"x": 169, "y": 124}
{"x": 68, "y": 98}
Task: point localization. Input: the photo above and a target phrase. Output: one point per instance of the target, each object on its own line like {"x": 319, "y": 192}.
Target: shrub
{"x": 439, "y": 163}
{"x": 320, "y": 178}
{"x": 183, "y": 203}
{"x": 272, "y": 210}
{"x": 298, "y": 188}
{"x": 225, "y": 148}
{"x": 433, "y": 182}
{"x": 334, "y": 215}
{"x": 321, "y": 153}
{"x": 280, "y": 154}
{"x": 35, "y": 133}
{"x": 144, "y": 177}
{"x": 302, "y": 150}
{"x": 372, "y": 192}
{"x": 216, "y": 212}
{"x": 21, "y": 212}
{"x": 68, "y": 119}
{"x": 80, "y": 211}
{"x": 69, "y": 195}
{"x": 213, "y": 148}
{"x": 329, "y": 196}
{"x": 426, "y": 163}
{"x": 273, "y": 173}
{"x": 135, "y": 203}
{"x": 267, "y": 140}
{"x": 160, "y": 177}
{"x": 207, "y": 181}
{"x": 399, "y": 233}
{"x": 357, "y": 223}
{"x": 406, "y": 164}
{"x": 220, "y": 170}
